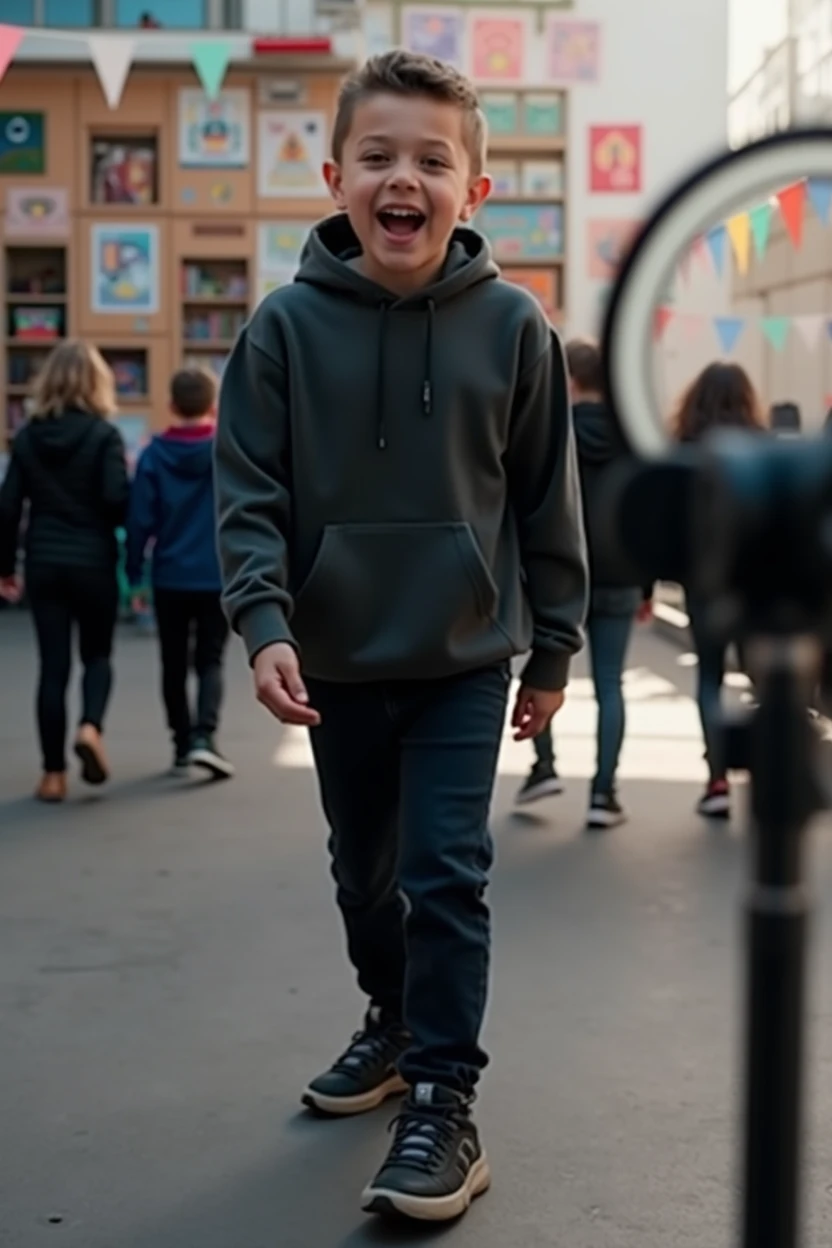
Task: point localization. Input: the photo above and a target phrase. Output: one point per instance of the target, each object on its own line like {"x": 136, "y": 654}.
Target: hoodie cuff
{"x": 547, "y": 669}
{"x": 262, "y": 626}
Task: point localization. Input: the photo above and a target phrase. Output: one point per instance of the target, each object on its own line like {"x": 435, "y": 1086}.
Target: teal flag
{"x": 760, "y": 218}
{"x": 776, "y": 330}
{"x": 210, "y": 59}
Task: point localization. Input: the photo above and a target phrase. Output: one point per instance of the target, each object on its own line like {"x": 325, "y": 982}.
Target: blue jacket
{"x": 172, "y": 503}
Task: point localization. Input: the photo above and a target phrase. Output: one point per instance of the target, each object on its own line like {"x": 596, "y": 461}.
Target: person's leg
{"x": 53, "y": 629}
{"x": 709, "y": 677}
{"x": 543, "y": 779}
{"x": 450, "y": 745}
{"x": 544, "y": 748}
{"x": 95, "y": 607}
{"x": 173, "y": 626}
{"x": 356, "y": 751}
{"x": 609, "y": 635}
{"x": 211, "y": 637}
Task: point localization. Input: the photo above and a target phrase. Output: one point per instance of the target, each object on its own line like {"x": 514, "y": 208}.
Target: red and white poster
{"x": 615, "y": 159}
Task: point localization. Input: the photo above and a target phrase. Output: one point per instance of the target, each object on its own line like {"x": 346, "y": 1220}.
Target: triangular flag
{"x": 112, "y": 56}
{"x": 728, "y": 330}
{"x": 210, "y": 62}
{"x": 792, "y": 203}
{"x": 776, "y": 330}
{"x": 716, "y": 244}
{"x": 739, "y": 232}
{"x": 663, "y": 317}
{"x": 820, "y": 196}
{"x": 759, "y": 219}
{"x": 10, "y": 37}
{"x": 810, "y": 329}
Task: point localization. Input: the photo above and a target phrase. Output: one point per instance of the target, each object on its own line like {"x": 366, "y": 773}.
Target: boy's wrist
{"x": 547, "y": 669}
{"x": 262, "y": 626}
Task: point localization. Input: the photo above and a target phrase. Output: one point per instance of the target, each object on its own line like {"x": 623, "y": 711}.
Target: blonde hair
{"x": 75, "y": 376}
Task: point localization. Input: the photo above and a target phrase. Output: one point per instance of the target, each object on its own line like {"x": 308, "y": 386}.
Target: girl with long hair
{"x": 68, "y": 463}
{"x": 721, "y": 397}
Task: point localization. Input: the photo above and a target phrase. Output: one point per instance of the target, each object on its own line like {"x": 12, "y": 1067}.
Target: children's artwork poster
{"x": 615, "y": 159}
{"x": 498, "y": 41}
{"x": 124, "y": 268}
{"x": 379, "y": 29}
{"x": 214, "y": 134}
{"x": 34, "y": 212}
{"x": 505, "y": 178}
{"x": 437, "y": 32}
{"x": 292, "y": 151}
{"x": 502, "y": 112}
{"x": 542, "y": 114}
{"x": 542, "y": 283}
{"x": 607, "y": 245}
{"x": 273, "y": 280}
{"x": 279, "y": 244}
{"x": 542, "y": 179}
{"x": 573, "y": 50}
{"x": 124, "y": 171}
{"x": 523, "y": 231}
{"x": 22, "y": 143}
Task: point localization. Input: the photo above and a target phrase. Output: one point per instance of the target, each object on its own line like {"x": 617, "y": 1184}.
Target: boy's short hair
{"x": 193, "y": 392}
{"x": 411, "y": 73}
{"x": 583, "y": 359}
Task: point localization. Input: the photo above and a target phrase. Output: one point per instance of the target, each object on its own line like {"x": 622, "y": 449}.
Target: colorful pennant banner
{"x": 730, "y": 329}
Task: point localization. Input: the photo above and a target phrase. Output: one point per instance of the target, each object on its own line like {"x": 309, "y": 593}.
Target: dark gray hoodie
{"x": 396, "y": 480}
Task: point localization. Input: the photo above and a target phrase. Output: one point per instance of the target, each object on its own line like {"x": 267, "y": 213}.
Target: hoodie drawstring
{"x": 427, "y": 384}
{"x": 427, "y": 381}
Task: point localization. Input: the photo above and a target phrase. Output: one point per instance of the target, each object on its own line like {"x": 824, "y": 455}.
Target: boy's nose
{"x": 403, "y": 176}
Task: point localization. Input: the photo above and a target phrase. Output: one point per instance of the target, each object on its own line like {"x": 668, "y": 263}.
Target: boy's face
{"x": 405, "y": 182}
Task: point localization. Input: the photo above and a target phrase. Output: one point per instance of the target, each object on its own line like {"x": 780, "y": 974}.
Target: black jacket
{"x": 72, "y": 471}
{"x": 600, "y": 446}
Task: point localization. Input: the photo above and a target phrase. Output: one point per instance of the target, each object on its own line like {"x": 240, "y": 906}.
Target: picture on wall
{"x": 505, "y": 176}
{"x": 437, "y": 32}
{"x": 22, "y": 143}
{"x": 502, "y": 112}
{"x": 498, "y": 44}
{"x": 214, "y": 134}
{"x": 523, "y": 231}
{"x": 607, "y": 245}
{"x": 279, "y": 244}
{"x": 542, "y": 283}
{"x": 30, "y": 211}
{"x": 124, "y": 272}
{"x": 542, "y": 179}
{"x": 542, "y": 114}
{"x": 292, "y": 150}
{"x": 124, "y": 170}
{"x": 615, "y": 159}
{"x": 573, "y": 50}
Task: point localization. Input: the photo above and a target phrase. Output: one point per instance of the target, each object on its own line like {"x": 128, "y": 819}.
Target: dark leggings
{"x": 710, "y": 676}
{"x": 61, "y": 597}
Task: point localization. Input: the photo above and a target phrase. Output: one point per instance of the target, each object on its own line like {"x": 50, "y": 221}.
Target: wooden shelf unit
{"x": 215, "y": 297}
{"x": 36, "y": 297}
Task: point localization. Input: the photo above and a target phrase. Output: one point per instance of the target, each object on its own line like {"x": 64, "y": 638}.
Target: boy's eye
{"x": 374, "y": 158}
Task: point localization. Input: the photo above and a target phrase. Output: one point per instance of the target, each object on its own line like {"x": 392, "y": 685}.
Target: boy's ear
{"x": 335, "y": 180}
{"x": 478, "y": 191}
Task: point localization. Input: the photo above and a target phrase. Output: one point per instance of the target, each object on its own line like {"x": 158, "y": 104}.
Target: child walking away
{"x": 69, "y": 463}
{"x": 399, "y": 514}
{"x": 172, "y": 505}
{"x": 614, "y": 601}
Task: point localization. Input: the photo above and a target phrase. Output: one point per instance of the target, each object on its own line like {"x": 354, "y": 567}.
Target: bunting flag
{"x": 210, "y": 62}
{"x": 759, "y": 219}
{"x": 810, "y": 329}
{"x": 820, "y": 197}
{"x": 728, "y": 331}
{"x": 776, "y": 330}
{"x": 112, "y": 56}
{"x": 739, "y": 232}
{"x": 10, "y": 39}
{"x": 716, "y": 245}
{"x": 662, "y": 319}
{"x": 792, "y": 203}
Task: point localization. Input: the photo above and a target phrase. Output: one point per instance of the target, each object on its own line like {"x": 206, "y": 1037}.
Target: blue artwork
{"x": 125, "y": 268}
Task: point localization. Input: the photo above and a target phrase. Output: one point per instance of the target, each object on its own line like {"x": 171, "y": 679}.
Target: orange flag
{"x": 792, "y": 203}
{"x": 662, "y": 319}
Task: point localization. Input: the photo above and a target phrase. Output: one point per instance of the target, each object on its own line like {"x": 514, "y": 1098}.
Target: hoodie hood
{"x": 325, "y": 262}
{"x": 185, "y": 453}
{"x": 596, "y": 434}
{"x": 54, "y": 439}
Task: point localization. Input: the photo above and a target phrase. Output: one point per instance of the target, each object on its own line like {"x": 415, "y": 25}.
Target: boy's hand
{"x": 11, "y": 588}
{"x": 280, "y": 687}
{"x": 533, "y": 710}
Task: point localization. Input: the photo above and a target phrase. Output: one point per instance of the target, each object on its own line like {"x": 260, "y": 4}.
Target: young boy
{"x": 614, "y": 600}
{"x": 172, "y": 503}
{"x": 399, "y": 514}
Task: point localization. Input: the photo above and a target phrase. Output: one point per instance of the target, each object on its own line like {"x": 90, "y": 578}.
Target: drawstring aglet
{"x": 426, "y": 397}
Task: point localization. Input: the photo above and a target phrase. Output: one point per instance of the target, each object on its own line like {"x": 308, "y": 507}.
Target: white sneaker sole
{"x": 346, "y": 1106}
{"x": 603, "y": 820}
{"x": 715, "y": 808}
{"x": 552, "y": 787}
{"x": 388, "y": 1203}
{"x": 220, "y": 768}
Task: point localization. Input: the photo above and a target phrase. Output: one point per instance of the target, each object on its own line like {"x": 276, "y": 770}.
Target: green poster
{"x": 22, "y": 143}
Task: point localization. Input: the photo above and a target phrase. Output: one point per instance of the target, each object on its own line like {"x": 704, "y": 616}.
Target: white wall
{"x": 664, "y": 67}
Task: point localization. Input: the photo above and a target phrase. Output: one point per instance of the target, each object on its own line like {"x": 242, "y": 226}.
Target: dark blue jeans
{"x": 406, "y": 771}
{"x": 710, "y": 675}
{"x": 608, "y": 634}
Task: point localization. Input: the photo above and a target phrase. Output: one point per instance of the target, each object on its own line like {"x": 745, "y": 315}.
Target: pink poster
{"x": 573, "y": 50}
{"x": 607, "y": 245}
{"x": 498, "y": 46}
{"x": 37, "y": 212}
{"x": 615, "y": 159}
{"x": 435, "y": 32}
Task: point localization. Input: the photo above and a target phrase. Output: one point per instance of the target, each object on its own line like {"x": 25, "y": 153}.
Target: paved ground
{"x": 171, "y": 973}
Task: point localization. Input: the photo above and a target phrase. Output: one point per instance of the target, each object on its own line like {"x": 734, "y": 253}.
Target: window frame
{"x": 220, "y": 15}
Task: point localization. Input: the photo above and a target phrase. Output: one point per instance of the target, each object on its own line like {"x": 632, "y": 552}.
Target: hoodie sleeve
{"x": 545, "y": 493}
{"x": 142, "y": 516}
{"x": 12, "y": 496}
{"x": 252, "y": 473}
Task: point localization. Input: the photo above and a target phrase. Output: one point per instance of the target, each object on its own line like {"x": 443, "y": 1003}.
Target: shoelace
{"x": 365, "y": 1050}
{"x": 423, "y": 1138}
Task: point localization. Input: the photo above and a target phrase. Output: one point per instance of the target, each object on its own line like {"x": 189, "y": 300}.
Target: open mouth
{"x": 401, "y": 222}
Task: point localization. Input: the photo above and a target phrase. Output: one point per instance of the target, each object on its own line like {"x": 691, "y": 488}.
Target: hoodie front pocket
{"x": 391, "y": 598}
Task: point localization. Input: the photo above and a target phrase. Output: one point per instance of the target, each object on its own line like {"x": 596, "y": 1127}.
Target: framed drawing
{"x": 291, "y": 153}
{"x": 543, "y": 114}
{"x": 124, "y": 275}
{"x": 523, "y": 231}
{"x": 542, "y": 283}
{"x": 214, "y": 134}
{"x": 506, "y": 178}
{"x": 502, "y": 112}
{"x": 542, "y": 179}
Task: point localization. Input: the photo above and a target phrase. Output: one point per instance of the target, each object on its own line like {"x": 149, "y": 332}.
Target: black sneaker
{"x": 542, "y": 781}
{"x": 715, "y": 802}
{"x": 203, "y": 753}
{"x": 605, "y": 811}
{"x": 364, "y": 1075}
{"x": 181, "y": 765}
{"x": 436, "y": 1164}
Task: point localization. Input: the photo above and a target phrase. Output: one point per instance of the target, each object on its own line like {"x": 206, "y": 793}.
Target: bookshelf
{"x": 36, "y": 292}
{"x": 214, "y": 295}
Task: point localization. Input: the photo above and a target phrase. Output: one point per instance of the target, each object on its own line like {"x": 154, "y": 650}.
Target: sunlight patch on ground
{"x": 663, "y": 740}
